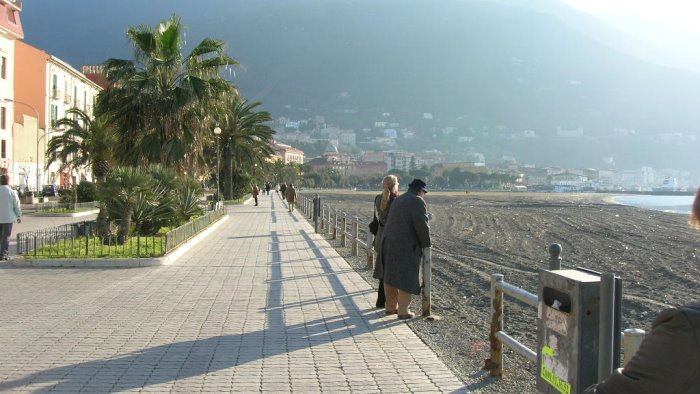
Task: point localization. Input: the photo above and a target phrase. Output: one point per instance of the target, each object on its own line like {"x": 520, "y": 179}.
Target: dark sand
{"x": 477, "y": 234}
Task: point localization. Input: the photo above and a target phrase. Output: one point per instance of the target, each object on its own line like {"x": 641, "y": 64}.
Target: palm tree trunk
{"x": 103, "y": 224}
{"x": 125, "y": 225}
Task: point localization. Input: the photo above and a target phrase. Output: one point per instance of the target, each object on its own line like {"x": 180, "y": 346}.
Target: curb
{"x": 69, "y": 215}
{"x": 120, "y": 263}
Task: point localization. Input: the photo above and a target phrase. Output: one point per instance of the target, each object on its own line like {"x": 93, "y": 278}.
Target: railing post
{"x": 606, "y": 336}
{"x": 427, "y": 276}
{"x": 495, "y": 363}
{"x": 343, "y": 233}
{"x": 554, "y": 257}
{"x": 317, "y": 210}
{"x": 631, "y": 341}
{"x": 335, "y": 224}
{"x": 355, "y": 230}
{"x": 328, "y": 222}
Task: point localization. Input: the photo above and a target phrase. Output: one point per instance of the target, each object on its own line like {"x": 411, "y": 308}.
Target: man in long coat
{"x": 291, "y": 195}
{"x": 405, "y": 235}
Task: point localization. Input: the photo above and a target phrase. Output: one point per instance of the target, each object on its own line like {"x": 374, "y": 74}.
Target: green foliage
{"x": 65, "y": 196}
{"x": 145, "y": 200}
{"x": 135, "y": 247}
{"x": 87, "y": 192}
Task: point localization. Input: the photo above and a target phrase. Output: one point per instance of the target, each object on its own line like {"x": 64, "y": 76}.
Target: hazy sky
{"x": 678, "y": 15}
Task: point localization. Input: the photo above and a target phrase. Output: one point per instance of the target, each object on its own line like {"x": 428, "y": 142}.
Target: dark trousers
{"x": 256, "y": 199}
{"x": 5, "y": 232}
{"x": 381, "y": 296}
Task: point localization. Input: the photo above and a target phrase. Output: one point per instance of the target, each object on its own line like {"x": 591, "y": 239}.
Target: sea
{"x": 673, "y": 204}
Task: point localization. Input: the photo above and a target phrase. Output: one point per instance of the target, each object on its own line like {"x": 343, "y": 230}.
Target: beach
{"x": 475, "y": 235}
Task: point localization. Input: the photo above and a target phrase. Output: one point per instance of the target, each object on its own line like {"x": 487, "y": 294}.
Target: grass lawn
{"x": 66, "y": 210}
{"x": 92, "y": 247}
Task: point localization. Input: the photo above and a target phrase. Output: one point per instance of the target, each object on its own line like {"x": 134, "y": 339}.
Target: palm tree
{"x": 86, "y": 142}
{"x": 124, "y": 189}
{"x": 246, "y": 139}
{"x": 83, "y": 142}
{"x": 162, "y": 99}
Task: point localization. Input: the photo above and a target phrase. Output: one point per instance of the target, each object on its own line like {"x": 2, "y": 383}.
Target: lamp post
{"x": 36, "y": 113}
{"x": 217, "y": 131}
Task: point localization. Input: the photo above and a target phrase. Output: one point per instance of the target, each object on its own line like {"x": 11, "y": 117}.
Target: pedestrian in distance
{"x": 255, "y": 193}
{"x": 10, "y": 212}
{"x": 382, "y": 203}
{"x": 283, "y": 189}
{"x": 406, "y": 233}
{"x": 267, "y": 188}
{"x": 668, "y": 360}
{"x": 291, "y": 195}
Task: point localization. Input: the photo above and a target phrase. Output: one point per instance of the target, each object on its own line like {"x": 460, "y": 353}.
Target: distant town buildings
{"x": 287, "y": 153}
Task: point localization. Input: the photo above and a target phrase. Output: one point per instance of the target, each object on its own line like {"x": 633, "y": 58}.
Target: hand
{"x": 19, "y": 220}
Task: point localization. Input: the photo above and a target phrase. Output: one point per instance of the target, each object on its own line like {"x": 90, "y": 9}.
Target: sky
{"x": 680, "y": 16}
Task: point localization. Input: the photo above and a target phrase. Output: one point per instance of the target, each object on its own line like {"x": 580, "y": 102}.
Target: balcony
{"x": 79, "y": 104}
{"x": 56, "y": 94}
{"x": 67, "y": 99}
{"x": 16, "y": 4}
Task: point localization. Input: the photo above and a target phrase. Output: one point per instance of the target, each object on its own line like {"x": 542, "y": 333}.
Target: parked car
{"x": 49, "y": 191}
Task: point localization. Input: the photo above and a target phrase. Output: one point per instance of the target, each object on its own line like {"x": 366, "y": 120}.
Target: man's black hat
{"x": 417, "y": 185}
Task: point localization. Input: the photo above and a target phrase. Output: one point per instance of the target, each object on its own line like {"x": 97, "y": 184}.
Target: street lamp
{"x": 36, "y": 113}
{"x": 217, "y": 131}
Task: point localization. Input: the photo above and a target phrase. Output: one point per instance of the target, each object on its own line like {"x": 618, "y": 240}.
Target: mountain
{"x": 520, "y": 64}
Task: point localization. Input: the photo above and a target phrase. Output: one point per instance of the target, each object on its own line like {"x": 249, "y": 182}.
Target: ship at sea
{"x": 670, "y": 184}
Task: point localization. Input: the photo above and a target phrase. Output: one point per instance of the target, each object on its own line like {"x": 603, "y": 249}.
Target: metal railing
{"x": 45, "y": 207}
{"x": 354, "y": 231}
{"x": 82, "y": 240}
{"x": 183, "y": 233}
{"x": 609, "y": 354}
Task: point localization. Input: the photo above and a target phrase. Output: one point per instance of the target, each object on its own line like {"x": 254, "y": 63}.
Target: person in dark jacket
{"x": 668, "y": 360}
{"x": 405, "y": 235}
{"x": 382, "y": 203}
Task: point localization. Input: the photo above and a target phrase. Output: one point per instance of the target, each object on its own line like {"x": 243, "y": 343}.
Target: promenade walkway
{"x": 261, "y": 305}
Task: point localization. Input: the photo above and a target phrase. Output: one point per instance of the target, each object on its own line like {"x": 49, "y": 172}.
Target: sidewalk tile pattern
{"x": 261, "y": 305}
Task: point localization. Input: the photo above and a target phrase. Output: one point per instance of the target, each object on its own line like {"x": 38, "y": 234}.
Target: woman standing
{"x": 382, "y": 203}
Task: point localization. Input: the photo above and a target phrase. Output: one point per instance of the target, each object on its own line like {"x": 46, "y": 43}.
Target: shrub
{"x": 87, "y": 192}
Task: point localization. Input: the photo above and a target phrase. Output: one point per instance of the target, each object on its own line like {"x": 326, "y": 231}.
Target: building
{"x": 10, "y": 32}
{"x": 49, "y": 87}
{"x": 400, "y": 160}
{"x": 287, "y": 153}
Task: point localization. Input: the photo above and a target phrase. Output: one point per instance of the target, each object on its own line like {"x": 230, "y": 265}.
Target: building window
{"x": 3, "y": 67}
{"x": 3, "y": 117}
{"x": 54, "y": 114}
{"x": 3, "y": 150}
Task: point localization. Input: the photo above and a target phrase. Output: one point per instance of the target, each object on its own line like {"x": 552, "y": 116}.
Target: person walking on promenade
{"x": 10, "y": 212}
{"x": 668, "y": 360}
{"x": 283, "y": 189}
{"x": 406, "y": 233}
{"x": 267, "y": 188}
{"x": 255, "y": 193}
{"x": 291, "y": 195}
{"x": 382, "y": 203}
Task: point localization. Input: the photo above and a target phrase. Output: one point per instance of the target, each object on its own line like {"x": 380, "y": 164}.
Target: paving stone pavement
{"x": 261, "y": 305}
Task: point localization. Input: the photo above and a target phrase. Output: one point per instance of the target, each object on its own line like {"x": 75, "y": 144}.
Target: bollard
{"x": 343, "y": 235}
{"x": 554, "y": 257}
{"x": 354, "y": 239}
{"x": 631, "y": 341}
{"x": 495, "y": 364}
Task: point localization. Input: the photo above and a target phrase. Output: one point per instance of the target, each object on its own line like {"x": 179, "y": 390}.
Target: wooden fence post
{"x": 343, "y": 234}
{"x": 495, "y": 364}
{"x": 354, "y": 235}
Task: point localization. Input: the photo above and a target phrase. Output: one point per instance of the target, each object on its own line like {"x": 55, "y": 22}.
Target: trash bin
{"x": 568, "y": 329}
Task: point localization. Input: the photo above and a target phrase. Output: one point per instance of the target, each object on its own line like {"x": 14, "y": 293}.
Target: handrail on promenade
{"x": 335, "y": 222}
